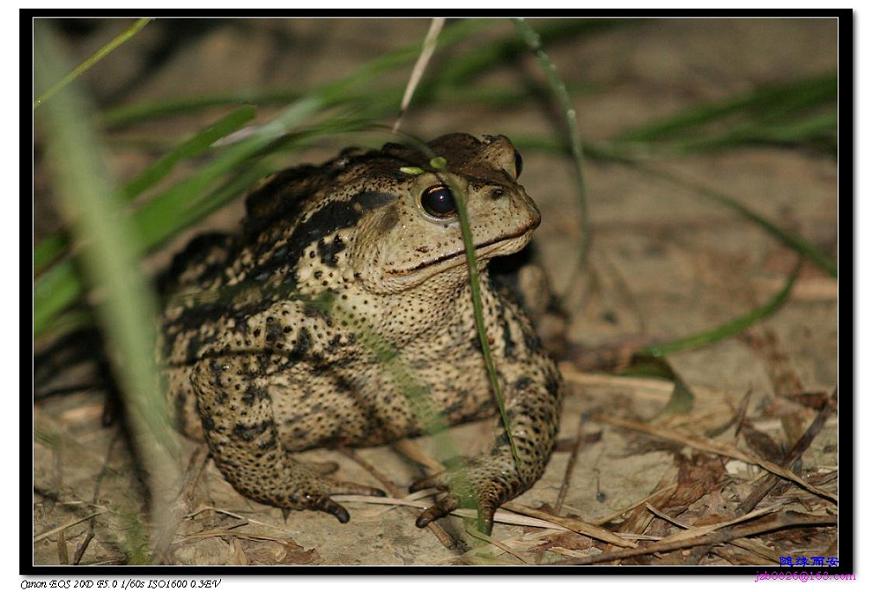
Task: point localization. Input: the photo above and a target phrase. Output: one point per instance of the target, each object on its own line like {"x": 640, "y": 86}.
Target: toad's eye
{"x": 519, "y": 164}
{"x": 438, "y": 201}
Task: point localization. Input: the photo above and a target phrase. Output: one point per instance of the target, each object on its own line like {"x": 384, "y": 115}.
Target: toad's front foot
{"x": 316, "y": 496}
{"x": 483, "y": 484}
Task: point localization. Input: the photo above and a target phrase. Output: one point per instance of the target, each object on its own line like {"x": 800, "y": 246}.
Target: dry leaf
{"x": 237, "y": 554}
{"x": 294, "y": 554}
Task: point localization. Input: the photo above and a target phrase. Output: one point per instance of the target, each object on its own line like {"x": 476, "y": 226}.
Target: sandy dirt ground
{"x": 664, "y": 263}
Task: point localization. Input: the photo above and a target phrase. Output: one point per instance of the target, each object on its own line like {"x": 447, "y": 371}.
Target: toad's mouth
{"x": 482, "y": 250}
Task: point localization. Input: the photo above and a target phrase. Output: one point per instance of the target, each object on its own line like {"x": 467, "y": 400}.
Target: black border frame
{"x": 847, "y": 336}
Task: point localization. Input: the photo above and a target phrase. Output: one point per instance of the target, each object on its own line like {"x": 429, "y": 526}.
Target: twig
{"x": 446, "y": 539}
{"x": 499, "y": 517}
{"x": 415, "y": 453}
{"x": 669, "y": 489}
{"x": 737, "y": 418}
{"x": 80, "y": 550}
{"x": 742, "y": 412}
{"x": 498, "y": 544}
{"x": 797, "y": 450}
{"x": 744, "y": 543}
{"x": 63, "y": 553}
{"x": 570, "y": 466}
{"x": 202, "y": 509}
{"x": 666, "y": 517}
{"x": 56, "y": 530}
{"x": 717, "y": 448}
{"x": 420, "y": 65}
{"x": 695, "y": 531}
{"x": 573, "y": 524}
{"x": 778, "y": 522}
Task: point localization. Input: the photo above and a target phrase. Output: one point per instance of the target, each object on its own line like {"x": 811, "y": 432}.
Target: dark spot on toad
{"x": 250, "y": 432}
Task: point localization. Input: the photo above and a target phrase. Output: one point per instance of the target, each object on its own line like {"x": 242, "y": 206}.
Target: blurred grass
{"x": 797, "y": 113}
{"x": 54, "y": 246}
{"x": 110, "y": 260}
{"x": 445, "y": 81}
{"x": 614, "y": 154}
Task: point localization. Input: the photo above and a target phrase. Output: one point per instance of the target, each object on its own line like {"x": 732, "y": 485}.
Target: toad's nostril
{"x": 497, "y": 193}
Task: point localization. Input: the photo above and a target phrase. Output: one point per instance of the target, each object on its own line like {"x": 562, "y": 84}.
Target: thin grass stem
{"x": 92, "y": 60}
{"x": 561, "y": 94}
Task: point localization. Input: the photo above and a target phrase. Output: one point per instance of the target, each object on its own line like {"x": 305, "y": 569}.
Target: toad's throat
{"x": 458, "y": 257}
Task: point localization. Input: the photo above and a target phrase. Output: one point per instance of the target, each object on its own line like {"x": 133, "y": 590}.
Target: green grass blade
{"x": 558, "y": 89}
{"x": 139, "y": 112}
{"x": 168, "y": 213}
{"x": 448, "y": 79}
{"x": 814, "y": 131}
{"x": 333, "y": 93}
{"x": 792, "y": 240}
{"x": 54, "y": 246}
{"x": 60, "y": 286}
{"x": 98, "y": 55}
{"x": 55, "y": 290}
{"x": 613, "y": 154}
{"x": 48, "y": 251}
{"x": 110, "y": 260}
{"x": 190, "y": 148}
{"x": 163, "y": 209}
{"x": 438, "y": 163}
{"x": 773, "y": 101}
{"x": 730, "y": 328}
{"x": 478, "y": 312}
{"x": 178, "y": 198}
{"x": 822, "y": 125}
{"x": 111, "y": 252}
{"x": 681, "y": 400}
{"x": 160, "y": 219}
{"x": 464, "y": 68}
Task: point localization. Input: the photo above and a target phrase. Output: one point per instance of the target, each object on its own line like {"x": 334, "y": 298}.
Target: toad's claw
{"x": 318, "y": 497}
{"x": 450, "y": 502}
{"x": 325, "y": 504}
{"x": 485, "y": 497}
{"x": 443, "y": 506}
